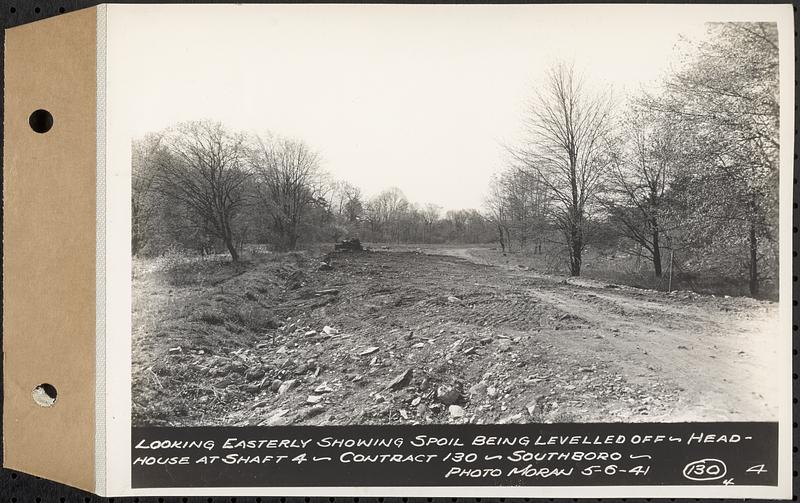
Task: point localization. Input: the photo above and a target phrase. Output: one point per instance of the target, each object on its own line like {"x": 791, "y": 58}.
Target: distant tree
{"x": 384, "y": 213}
{"x": 147, "y": 154}
{"x": 354, "y": 208}
{"x": 567, "y": 149}
{"x": 478, "y": 228}
{"x": 517, "y": 207}
{"x": 341, "y": 192}
{"x": 347, "y": 202}
{"x": 497, "y": 211}
{"x": 458, "y": 223}
{"x": 430, "y": 215}
{"x": 289, "y": 186}
{"x": 206, "y": 173}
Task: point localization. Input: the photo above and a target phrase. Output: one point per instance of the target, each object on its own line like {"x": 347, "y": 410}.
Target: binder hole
{"x": 37, "y": 10}
{"x": 44, "y": 395}
{"x": 41, "y": 121}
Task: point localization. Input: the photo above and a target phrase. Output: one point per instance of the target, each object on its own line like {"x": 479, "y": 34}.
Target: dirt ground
{"x": 436, "y": 335}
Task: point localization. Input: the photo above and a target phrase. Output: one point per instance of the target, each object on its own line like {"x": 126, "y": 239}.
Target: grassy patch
{"x": 190, "y": 307}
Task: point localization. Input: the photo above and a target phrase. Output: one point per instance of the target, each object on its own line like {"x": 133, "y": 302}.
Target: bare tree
{"x": 206, "y": 173}
{"x": 289, "y": 184}
{"x": 458, "y": 223}
{"x": 384, "y": 212}
{"x": 147, "y": 153}
{"x": 430, "y": 215}
{"x": 354, "y": 207}
{"x": 347, "y": 201}
{"x": 497, "y": 211}
{"x": 567, "y": 131}
{"x": 641, "y": 178}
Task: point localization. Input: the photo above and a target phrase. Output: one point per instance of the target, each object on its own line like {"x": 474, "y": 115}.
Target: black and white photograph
{"x": 456, "y": 215}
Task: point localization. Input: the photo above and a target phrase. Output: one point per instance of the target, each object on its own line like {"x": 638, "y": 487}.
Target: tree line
{"x": 198, "y": 186}
{"x": 690, "y": 170}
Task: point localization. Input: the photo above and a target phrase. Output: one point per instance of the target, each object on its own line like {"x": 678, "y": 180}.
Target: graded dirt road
{"x": 439, "y": 336}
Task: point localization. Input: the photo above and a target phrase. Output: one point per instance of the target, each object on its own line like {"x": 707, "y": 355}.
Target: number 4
{"x": 759, "y": 469}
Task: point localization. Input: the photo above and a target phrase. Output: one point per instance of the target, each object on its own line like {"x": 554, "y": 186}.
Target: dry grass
{"x": 191, "y": 305}
{"x": 622, "y": 269}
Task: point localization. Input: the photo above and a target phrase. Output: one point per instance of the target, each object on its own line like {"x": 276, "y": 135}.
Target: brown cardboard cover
{"x": 49, "y": 248}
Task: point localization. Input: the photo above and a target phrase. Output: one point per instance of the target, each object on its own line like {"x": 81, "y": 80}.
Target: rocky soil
{"x": 436, "y": 336}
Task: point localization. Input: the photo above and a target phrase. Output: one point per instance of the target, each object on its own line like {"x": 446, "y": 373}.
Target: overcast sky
{"x": 421, "y": 98}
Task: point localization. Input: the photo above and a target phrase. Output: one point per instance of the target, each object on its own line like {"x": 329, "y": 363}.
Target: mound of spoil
{"x": 353, "y": 244}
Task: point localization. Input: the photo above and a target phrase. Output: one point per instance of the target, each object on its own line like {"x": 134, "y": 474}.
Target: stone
{"x": 323, "y": 388}
{"x": 448, "y": 395}
{"x": 330, "y": 330}
{"x": 401, "y": 381}
{"x": 275, "y": 385}
{"x": 255, "y": 373}
{"x": 369, "y": 351}
{"x": 453, "y": 299}
{"x": 277, "y": 418}
{"x": 514, "y": 418}
{"x": 423, "y": 410}
{"x": 533, "y": 408}
{"x": 286, "y": 386}
{"x": 479, "y": 388}
{"x": 503, "y": 345}
{"x": 238, "y": 366}
{"x": 314, "y": 399}
{"x": 314, "y": 411}
{"x": 456, "y": 411}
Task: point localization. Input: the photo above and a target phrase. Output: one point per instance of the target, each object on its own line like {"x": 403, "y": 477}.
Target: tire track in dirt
{"x": 714, "y": 351}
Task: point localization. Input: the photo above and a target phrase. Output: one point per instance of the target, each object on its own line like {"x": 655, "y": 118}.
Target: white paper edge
{"x": 100, "y": 258}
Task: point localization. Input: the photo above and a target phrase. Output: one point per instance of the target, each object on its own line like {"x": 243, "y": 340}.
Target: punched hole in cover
{"x": 41, "y": 121}
{"x": 44, "y": 395}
